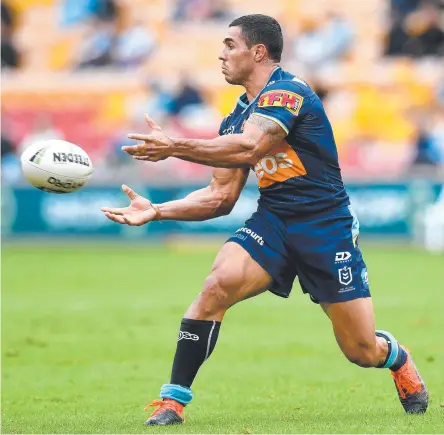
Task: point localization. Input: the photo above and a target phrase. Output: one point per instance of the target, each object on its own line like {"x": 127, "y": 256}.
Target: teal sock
{"x": 400, "y": 360}
{"x": 396, "y": 355}
{"x": 178, "y": 393}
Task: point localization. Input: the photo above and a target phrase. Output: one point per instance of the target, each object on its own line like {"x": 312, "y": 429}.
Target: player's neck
{"x": 258, "y": 80}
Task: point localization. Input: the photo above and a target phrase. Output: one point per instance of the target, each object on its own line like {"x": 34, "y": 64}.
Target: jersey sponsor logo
{"x": 345, "y": 275}
{"x": 279, "y": 166}
{"x": 342, "y": 257}
{"x": 252, "y": 234}
{"x": 229, "y": 130}
{"x": 280, "y": 98}
{"x": 184, "y": 335}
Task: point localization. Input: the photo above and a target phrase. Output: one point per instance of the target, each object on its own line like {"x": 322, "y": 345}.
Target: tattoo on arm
{"x": 274, "y": 130}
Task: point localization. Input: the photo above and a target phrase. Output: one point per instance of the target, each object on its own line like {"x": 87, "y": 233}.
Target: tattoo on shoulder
{"x": 267, "y": 125}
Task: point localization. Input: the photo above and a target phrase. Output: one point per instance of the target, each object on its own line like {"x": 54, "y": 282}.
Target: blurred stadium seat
{"x": 381, "y": 91}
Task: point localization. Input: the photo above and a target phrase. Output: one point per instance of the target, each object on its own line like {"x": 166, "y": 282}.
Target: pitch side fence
{"x": 389, "y": 210}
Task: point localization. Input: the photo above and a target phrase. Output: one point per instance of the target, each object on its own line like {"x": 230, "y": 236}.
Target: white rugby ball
{"x": 56, "y": 166}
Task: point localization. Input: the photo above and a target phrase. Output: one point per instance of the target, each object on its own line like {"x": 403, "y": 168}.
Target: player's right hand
{"x": 139, "y": 212}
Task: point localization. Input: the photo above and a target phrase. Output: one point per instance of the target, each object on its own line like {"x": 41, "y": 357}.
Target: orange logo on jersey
{"x": 286, "y": 99}
{"x": 279, "y": 166}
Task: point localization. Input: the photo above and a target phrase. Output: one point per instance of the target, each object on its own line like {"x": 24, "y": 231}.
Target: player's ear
{"x": 259, "y": 52}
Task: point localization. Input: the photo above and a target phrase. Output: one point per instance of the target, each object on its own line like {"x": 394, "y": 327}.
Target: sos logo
{"x": 283, "y": 164}
{"x": 270, "y": 164}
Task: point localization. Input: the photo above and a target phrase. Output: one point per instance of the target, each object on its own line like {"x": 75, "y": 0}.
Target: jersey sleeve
{"x": 223, "y": 125}
{"x": 283, "y": 102}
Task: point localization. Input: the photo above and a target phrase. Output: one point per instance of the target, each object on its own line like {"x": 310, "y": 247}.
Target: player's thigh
{"x": 236, "y": 271}
{"x": 331, "y": 267}
{"x": 354, "y": 327}
{"x": 254, "y": 259}
{"x": 263, "y": 237}
{"x": 235, "y": 276}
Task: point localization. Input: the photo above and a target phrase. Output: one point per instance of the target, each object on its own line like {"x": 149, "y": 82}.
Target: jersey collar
{"x": 243, "y": 100}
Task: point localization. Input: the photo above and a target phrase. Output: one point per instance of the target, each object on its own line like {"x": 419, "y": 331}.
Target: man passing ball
{"x": 304, "y": 225}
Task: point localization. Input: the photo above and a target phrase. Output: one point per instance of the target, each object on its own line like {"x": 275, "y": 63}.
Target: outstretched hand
{"x": 157, "y": 145}
{"x": 139, "y": 212}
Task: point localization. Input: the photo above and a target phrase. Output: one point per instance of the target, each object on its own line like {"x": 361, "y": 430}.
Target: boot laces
{"x": 406, "y": 380}
{"x": 161, "y": 405}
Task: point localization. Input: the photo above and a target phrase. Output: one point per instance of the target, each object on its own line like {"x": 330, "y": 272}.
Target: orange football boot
{"x": 168, "y": 412}
{"x": 412, "y": 390}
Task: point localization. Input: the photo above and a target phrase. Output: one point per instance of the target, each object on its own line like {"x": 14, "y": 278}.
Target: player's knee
{"x": 215, "y": 295}
{"x": 362, "y": 354}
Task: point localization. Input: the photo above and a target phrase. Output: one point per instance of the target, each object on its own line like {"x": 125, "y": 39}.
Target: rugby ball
{"x": 56, "y": 166}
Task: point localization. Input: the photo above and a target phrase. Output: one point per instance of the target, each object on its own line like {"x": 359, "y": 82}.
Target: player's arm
{"x": 233, "y": 150}
{"x": 228, "y": 151}
{"x": 217, "y": 199}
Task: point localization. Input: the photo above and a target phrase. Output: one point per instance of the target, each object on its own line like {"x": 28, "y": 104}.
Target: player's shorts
{"x": 321, "y": 251}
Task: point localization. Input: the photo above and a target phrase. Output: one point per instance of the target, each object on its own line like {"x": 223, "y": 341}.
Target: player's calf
{"x": 235, "y": 276}
{"x": 353, "y": 325}
{"x": 365, "y": 353}
{"x": 411, "y": 389}
{"x": 354, "y": 329}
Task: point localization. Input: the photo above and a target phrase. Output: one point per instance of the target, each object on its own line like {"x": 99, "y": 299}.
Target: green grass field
{"x": 88, "y": 336}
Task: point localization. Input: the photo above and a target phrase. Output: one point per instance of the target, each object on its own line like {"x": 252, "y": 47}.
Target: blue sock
{"x": 176, "y": 392}
{"x": 396, "y": 355}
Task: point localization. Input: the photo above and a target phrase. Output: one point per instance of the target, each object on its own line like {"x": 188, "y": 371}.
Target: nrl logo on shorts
{"x": 345, "y": 275}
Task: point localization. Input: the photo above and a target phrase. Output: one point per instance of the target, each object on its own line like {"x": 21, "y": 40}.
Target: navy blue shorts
{"x": 321, "y": 251}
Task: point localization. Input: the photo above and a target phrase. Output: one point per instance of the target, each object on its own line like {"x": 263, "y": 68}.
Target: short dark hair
{"x": 262, "y": 29}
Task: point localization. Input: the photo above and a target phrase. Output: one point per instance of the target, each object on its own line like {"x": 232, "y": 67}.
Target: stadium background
{"x": 86, "y": 71}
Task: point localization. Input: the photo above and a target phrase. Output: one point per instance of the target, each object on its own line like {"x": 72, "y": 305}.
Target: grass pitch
{"x": 88, "y": 336}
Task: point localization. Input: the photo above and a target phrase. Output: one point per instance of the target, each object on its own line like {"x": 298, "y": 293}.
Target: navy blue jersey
{"x": 301, "y": 175}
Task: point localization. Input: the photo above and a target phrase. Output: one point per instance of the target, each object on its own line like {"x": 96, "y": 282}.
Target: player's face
{"x": 237, "y": 59}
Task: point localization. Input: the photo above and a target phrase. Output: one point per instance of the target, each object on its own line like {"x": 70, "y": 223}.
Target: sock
{"x": 400, "y": 360}
{"x": 396, "y": 355}
{"x": 196, "y": 342}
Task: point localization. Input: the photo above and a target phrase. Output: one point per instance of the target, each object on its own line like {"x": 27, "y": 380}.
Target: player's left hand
{"x": 139, "y": 212}
{"x": 157, "y": 145}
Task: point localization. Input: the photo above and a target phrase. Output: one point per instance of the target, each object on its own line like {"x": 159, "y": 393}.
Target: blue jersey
{"x": 301, "y": 175}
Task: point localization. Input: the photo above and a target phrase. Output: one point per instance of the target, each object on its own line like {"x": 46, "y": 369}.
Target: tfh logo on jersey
{"x": 280, "y": 98}
{"x": 345, "y": 275}
{"x": 183, "y": 335}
